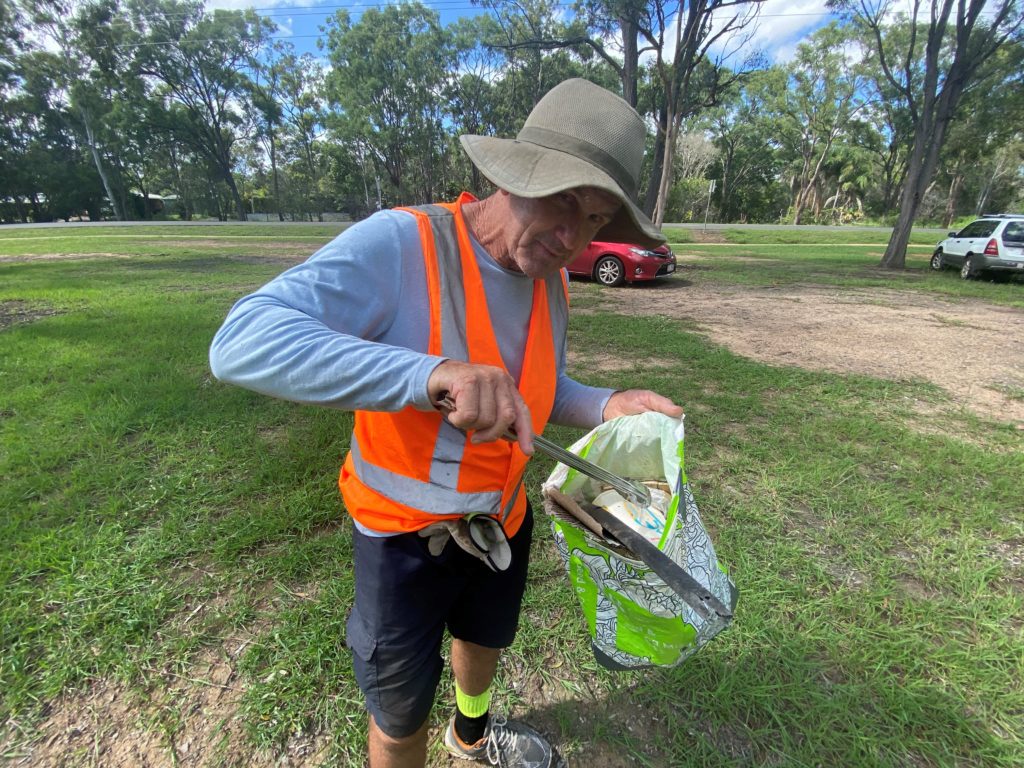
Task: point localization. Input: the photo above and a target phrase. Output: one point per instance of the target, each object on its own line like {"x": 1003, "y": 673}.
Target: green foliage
{"x": 107, "y": 102}
{"x": 387, "y": 76}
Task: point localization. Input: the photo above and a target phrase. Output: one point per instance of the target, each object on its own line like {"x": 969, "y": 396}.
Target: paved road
{"x": 69, "y": 224}
{"x": 343, "y": 224}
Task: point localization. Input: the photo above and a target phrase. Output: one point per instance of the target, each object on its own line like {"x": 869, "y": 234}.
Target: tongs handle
{"x": 630, "y": 489}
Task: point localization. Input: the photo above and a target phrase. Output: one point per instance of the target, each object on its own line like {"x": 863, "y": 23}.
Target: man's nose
{"x": 569, "y": 233}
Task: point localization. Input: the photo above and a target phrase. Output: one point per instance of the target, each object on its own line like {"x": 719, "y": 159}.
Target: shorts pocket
{"x": 358, "y": 638}
{"x": 364, "y": 653}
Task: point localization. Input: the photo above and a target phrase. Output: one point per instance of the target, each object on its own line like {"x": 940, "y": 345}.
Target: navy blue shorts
{"x": 405, "y": 598}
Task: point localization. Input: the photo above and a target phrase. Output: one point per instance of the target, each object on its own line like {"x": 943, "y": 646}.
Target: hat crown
{"x": 587, "y": 121}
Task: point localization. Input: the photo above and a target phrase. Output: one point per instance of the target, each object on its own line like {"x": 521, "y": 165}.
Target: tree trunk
{"x": 115, "y": 201}
{"x": 273, "y": 170}
{"x": 666, "y": 171}
{"x": 954, "y": 191}
{"x": 37, "y": 213}
{"x": 723, "y": 189}
{"x": 928, "y": 140}
{"x": 657, "y": 158}
{"x": 629, "y": 59}
{"x": 235, "y": 196}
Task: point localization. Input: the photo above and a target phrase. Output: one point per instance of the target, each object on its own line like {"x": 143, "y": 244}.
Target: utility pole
{"x": 711, "y": 190}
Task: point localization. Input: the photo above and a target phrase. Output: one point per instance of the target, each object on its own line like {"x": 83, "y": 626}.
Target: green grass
{"x": 832, "y": 236}
{"x": 841, "y": 265}
{"x": 152, "y": 516}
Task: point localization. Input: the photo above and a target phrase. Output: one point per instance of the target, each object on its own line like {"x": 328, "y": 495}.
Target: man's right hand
{"x": 486, "y": 399}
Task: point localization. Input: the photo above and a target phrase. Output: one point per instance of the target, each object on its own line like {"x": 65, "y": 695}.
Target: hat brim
{"x": 530, "y": 170}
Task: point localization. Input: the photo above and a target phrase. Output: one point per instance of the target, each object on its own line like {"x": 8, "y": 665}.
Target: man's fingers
{"x": 662, "y": 404}
{"x": 633, "y": 401}
{"x": 486, "y": 402}
{"x": 524, "y": 427}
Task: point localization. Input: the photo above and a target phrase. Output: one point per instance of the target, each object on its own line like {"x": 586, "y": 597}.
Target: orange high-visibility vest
{"x": 409, "y": 469}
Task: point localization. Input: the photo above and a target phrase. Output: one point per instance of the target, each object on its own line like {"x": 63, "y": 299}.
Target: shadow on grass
{"x": 784, "y": 704}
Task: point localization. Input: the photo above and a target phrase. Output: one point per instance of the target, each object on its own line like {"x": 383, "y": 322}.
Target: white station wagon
{"x": 992, "y": 244}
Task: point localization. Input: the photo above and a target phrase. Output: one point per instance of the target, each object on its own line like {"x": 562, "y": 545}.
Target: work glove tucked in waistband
{"x": 478, "y": 534}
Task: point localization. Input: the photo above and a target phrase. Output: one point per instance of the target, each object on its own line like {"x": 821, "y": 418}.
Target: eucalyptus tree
{"x": 387, "y": 81}
{"x": 687, "y": 42}
{"x": 78, "y": 37}
{"x": 929, "y": 70}
{"x": 691, "y": 42}
{"x": 823, "y": 93}
{"x": 542, "y": 46}
{"x": 301, "y": 91}
{"x": 746, "y": 132}
{"x": 847, "y": 175}
{"x": 200, "y": 64}
{"x": 978, "y": 159}
{"x": 53, "y": 172}
{"x": 471, "y": 92}
{"x": 268, "y": 110}
{"x": 11, "y": 29}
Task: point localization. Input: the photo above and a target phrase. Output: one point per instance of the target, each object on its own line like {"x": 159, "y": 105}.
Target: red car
{"x": 618, "y": 263}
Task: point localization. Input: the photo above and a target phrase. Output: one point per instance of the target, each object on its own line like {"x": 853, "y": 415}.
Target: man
{"x": 462, "y": 304}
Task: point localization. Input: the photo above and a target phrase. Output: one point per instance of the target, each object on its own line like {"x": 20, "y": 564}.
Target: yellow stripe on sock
{"x": 472, "y": 706}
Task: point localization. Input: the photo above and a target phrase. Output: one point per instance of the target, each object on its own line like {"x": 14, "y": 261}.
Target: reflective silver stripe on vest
{"x": 439, "y": 495}
{"x": 511, "y": 502}
{"x": 453, "y": 295}
{"x": 427, "y": 497}
{"x": 447, "y": 458}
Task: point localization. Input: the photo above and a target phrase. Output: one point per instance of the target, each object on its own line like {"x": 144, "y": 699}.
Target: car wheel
{"x": 609, "y": 271}
{"x": 968, "y": 271}
{"x": 936, "y": 263}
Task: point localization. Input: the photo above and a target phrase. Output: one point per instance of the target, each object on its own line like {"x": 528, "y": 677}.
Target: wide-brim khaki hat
{"x": 578, "y": 135}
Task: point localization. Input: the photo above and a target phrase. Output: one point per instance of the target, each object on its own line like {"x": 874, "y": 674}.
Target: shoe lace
{"x": 501, "y": 742}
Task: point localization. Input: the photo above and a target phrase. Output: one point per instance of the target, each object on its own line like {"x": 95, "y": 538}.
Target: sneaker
{"x": 505, "y": 744}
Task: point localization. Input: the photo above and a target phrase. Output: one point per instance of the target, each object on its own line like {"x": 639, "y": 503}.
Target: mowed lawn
{"x": 158, "y": 525}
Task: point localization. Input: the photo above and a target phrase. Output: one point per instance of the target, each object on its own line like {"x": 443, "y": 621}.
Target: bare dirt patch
{"x": 257, "y": 250}
{"x": 79, "y": 256}
{"x": 16, "y": 312}
{"x": 708, "y": 236}
{"x": 285, "y": 252}
{"x": 191, "y": 720}
{"x": 971, "y": 349}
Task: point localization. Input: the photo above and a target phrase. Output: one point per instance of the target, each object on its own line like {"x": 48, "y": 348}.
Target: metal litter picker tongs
{"x": 602, "y": 522}
{"x": 631, "y": 490}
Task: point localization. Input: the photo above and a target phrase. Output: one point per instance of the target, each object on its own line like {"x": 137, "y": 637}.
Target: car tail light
{"x": 992, "y": 249}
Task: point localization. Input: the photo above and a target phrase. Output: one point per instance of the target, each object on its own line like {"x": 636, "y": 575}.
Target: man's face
{"x": 544, "y": 234}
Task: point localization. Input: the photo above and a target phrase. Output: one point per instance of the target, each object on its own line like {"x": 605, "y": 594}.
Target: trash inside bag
{"x": 634, "y": 617}
{"x": 648, "y": 521}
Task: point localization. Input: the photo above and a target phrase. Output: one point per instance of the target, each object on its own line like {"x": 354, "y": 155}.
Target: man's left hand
{"x": 630, "y": 402}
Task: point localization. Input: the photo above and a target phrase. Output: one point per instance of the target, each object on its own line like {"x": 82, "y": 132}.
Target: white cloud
{"x": 783, "y": 24}
{"x": 776, "y": 31}
{"x": 241, "y": 5}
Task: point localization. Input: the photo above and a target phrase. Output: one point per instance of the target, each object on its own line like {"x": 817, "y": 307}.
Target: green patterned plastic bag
{"x": 635, "y": 619}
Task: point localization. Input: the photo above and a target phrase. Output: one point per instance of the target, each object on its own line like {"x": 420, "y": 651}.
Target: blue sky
{"x": 783, "y": 23}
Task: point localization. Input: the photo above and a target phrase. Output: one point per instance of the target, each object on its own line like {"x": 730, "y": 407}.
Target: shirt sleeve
{"x": 318, "y": 333}
{"x": 576, "y": 404}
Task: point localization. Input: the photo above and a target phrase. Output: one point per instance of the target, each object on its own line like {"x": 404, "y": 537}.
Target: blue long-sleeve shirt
{"x": 349, "y": 328}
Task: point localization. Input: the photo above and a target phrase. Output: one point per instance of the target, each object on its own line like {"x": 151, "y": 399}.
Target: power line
{"x": 273, "y": 12}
